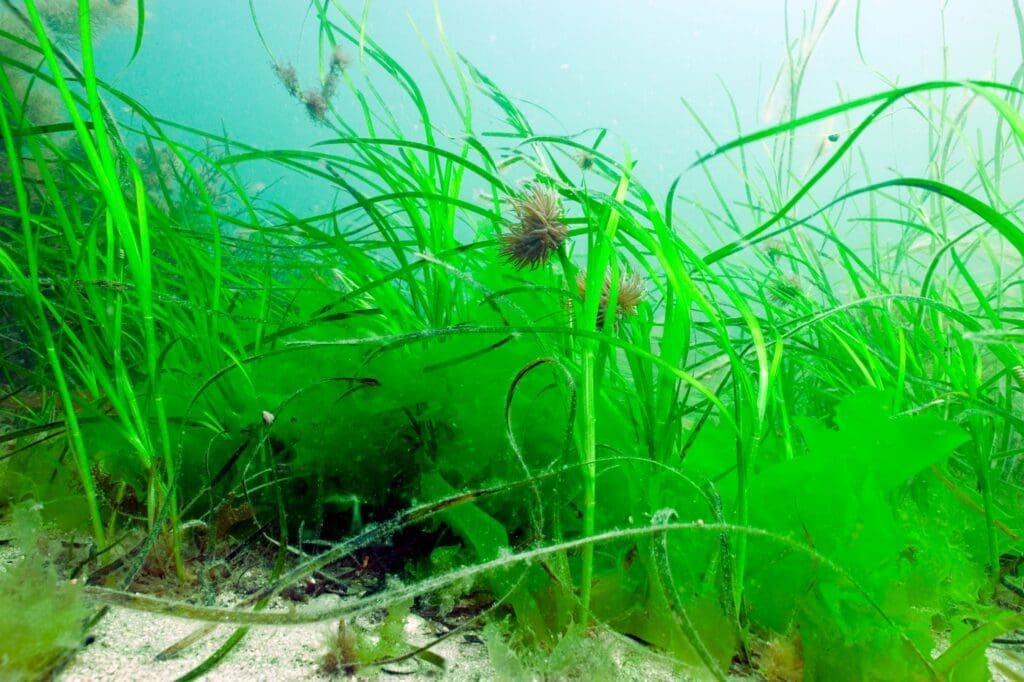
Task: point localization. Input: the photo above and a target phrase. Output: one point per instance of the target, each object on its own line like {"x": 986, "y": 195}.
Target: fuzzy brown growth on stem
{"x": 289, "y": 77}
{"x": 585, "y": 160}
{"x": 629, "y": 295}
{"x": 539, "y": 231}
{"x": 339, "y": 60}
{"x": 342, "y": 651}
{"x": 785, "y": 290}
{"x": 330, "y": 86}
{"x": 337, "y": 64}
{"x": 316, "y": 105}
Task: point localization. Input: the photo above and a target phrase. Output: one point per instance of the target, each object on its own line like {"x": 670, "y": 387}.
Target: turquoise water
{"x": 577, "y": 65}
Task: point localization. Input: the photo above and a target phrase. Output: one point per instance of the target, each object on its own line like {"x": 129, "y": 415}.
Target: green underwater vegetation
{"x": 44, "y": 616}
{"x": 779, "y": 435}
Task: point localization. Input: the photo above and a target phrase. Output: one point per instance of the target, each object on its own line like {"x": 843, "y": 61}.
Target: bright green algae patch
{"x": 43, "y": 616}
{"x": 859, "y": 491}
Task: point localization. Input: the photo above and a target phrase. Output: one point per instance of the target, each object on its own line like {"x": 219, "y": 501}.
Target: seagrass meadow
{"x": 752, "y": 411}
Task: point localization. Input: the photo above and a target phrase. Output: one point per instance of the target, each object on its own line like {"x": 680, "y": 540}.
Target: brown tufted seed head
{"x": 539, "y": 230}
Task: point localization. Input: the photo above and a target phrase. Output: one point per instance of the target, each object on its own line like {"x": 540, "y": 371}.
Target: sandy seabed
{"x": 127, "y": 644}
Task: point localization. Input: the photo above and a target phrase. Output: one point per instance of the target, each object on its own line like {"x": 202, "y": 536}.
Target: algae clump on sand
{"x": 42, "y": 616}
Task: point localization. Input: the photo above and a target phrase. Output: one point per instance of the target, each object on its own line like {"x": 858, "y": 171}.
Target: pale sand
{"x": 127, "y": 643}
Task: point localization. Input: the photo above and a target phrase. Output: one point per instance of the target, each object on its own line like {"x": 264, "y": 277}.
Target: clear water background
{"x": 620, "y": 64}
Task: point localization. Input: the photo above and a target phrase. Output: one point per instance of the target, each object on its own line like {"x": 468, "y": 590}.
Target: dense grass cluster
{"x": 788, "y": 420}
